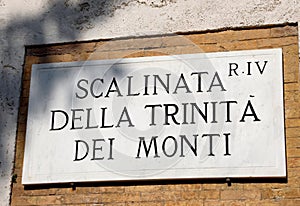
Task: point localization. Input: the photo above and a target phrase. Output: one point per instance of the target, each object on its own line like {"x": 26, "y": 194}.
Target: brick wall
{"x": 182, "y": 192}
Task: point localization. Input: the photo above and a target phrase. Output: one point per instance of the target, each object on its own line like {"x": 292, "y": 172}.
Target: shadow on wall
{"x": 61, "y": 21}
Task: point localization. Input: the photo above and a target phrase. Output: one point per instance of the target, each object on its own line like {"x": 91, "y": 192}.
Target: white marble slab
{"x": 206, "y": 115}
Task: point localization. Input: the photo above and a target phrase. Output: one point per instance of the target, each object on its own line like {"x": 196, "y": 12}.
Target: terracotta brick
{"x": 224, "y": 203}
{"x": 23, "y": 200}
{"x": 20, "y": 149}
{"x": 292, "y": 143}
{"x": 23, "y": 111}
{"x": 98, "y": 55}
{"x": 214, "y": 37}
{"x": 64, "y": 191}
{"x": 290, "y": 202}
{"x": 209, "y": 194}
{"x": 21, "y": 137}
{"x": 131, "y": 44}
{"x": 291, "y": 193}
{"x": 185, "y": 203}
{"x": 110, "y": 189}
{"x": 291, "y": 64}
{"x": 294, "y": 182}
{"x": 291, "y": 49}
{"x": 24, "y": 102}
{"x": 240, "y": 194}
{"x": 171, "y": 195}
{"x": 277, "y": 42}
{"x": 18, "y": 163}
{"x": 110, "y": 204}
{"x": 81, "y": 198}
{"x": 153, "y": 53}
{"x": 286, "y": 31}
{"x": 27, "y": 74}
{"x": 54, "y": 49}
{"x": 292, "y": 132}
{"x": 152, "y": 203}
{"x": 261, "y": 186}
{"x": 239, "y": 45}
{"x": 188, "y": 187}
{"x": 144, "y": 188}
{"x": 139, "y": 53}
{"x": 190, "y": 195}
{"x": 293, "y": 162}
{"x": 253, "y": 34}
{"x": 165, "y": 51}
{"x": 292, "y": 110}
{"x": 292, "y": 96}
{"x": 290, "y": 78}
{"x": 271, "y": 193}
{"x": 211, "y": 47}
{"x": 125, "y": 197}
{"x": 48, "y": 200}
{"x": 121, "y": 54}
{"x": 292, "y": 87}
{"x": 178, "y": 40}
{"x": 153, "y": 196}
{"x": 274, "y": 202}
